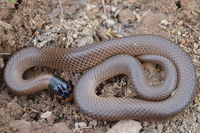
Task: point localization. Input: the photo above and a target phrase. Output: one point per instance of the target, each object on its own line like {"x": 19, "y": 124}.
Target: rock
{"x": 126, "y": 126}
{"x": 20, "y": 126}
{"x": 151, "y": 67}
{"x": 100, "y": 130}
{"x": 164, "y": 22}
{"x": 126, "y": 16}
{"x": 145, "y": 123}
{"x": 93, "y": 123}
{"x": 14, "y": 110}
{"x": 128, "y": 3}
{"x": 102, "y": 34}
{"x": 38, "y": 22}
{"x": 61, "y": 128}
{"x": 184, "y": 3}
{"x": 1, "y": 63}
{"x": 1, "y": 48}
{"x": 150, "y": 131}
{"x": 5, "y": 117}
{"x": 113, "y": 9}
{"x": 198, "y": 108}
{"x": 152, "y": 19}
{"x": 110, "y": 23}
{"x": 196, "y": 48}
{"x": 46, "y": 114}
{"x": 138, "y": 16}
{"x": 181, "y": 130}
{"x": 51, "y": 119}
{"x": 180, "y": 23}
{"x": 86, "y": 40}
{"x": 160, "y": 128}
{"x": 179, "y": 33}
{"x": 80, "y": 125}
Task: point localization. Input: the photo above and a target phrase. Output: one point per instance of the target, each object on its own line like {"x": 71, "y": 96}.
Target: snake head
{"x": 60, "y": 87}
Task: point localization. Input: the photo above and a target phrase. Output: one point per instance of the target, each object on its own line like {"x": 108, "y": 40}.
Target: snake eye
{"x": 60, "y": 87}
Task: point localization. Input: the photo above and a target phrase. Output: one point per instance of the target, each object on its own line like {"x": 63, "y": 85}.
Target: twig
{"x": 61, "y": 16}
{"x": 146, "y": 13}
{"x": 4, "y": 53}
{"x": 3, "y": 87}
{"x": 104, "y": 7}
{"x": 61, "y": 12}
{"x": 84, "y": 34}
{"x": 196, "y": 10}
{"x": 189, "y": 26}
{"x": 34, "y": 110}
{"x": 26, "y": 44}
{"x": 6, "y": 25}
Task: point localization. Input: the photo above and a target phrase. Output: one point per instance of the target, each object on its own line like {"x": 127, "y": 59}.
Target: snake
{"x": 106, "y": 59}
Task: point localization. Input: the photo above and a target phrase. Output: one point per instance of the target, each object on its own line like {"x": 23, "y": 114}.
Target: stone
{"x": 20, "y": 126}
{"x": 126, "y": 17}
{"x": 1, "y": 63}
{"x": 100, "y": 130}
{"x": 61, "y": 128}
{"x": 46, "y": 114}
{"x": 126, "y": 126}
{"x": 14, "y": 110}
{"x": 110, "y": 23}
{"x": 86, "y": 40}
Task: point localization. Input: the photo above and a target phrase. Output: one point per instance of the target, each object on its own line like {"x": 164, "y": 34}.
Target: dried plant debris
{"x": 76, "y": 23}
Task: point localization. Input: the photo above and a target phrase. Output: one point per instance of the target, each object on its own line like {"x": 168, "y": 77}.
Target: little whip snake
{"x": 104, "y": 60}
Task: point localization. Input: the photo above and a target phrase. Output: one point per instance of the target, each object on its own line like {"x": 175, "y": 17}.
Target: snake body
{"x": 105, "y": 60}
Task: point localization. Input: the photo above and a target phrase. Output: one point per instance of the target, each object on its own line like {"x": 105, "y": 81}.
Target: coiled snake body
{"x": 105, "y": 60}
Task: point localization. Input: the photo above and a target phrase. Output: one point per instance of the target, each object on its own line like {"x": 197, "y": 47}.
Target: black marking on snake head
{"x": 60, "y": 87}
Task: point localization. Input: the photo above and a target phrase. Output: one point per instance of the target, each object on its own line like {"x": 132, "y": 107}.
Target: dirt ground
{"x": 75, "y": 23}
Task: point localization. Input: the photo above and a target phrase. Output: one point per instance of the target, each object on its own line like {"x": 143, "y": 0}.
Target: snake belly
{"x": 104, "y": 60}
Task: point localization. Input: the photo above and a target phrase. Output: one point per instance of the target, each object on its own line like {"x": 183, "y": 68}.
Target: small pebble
{"x": 145, "y": 123}
{"x": 126, "y": 126}
{"x": 100, "y": 130}
{"x": 179, "y": 33}
{"x": 181, "y": 129}
{"x": 160, "y": 128}
{"x": 180, "y": 23}
{"x": 46, "y": 114}
{"x": 20, "y": 126}
{"x": 165, "y": 22}
{"x": 138, "y": 16}
{"x": 110, "y": 23}
{"x": 150, "y": 131}
{"x": 93, "y": 123}
{"x": 198, "y": 108}
{"x": 1, "y": 63}
{"x": 86, "y": 40}
{"x": 114, "y": 9}
{"x": 14, "y": 110}
{"x": 80, "y": 125}
{"x": 126, "y": 16}
{"x": 61, "y": 128}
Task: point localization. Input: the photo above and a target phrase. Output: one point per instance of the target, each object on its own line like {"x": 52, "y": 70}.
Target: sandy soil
{"x": 77, "y": 23}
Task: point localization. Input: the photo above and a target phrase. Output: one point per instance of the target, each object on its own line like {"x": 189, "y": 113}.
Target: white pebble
{"x": 46, "y": 114}
{"x": 110, "y": 23}
{"x": 1, "y": 63}
{"x": 126, "y": 126}
{"x": 165, "y": 22}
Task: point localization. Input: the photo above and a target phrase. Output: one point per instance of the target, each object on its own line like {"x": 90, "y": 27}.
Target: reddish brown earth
{"x": 41, "y": 23}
